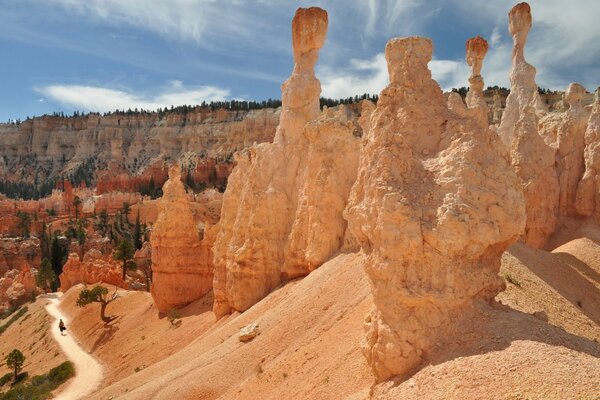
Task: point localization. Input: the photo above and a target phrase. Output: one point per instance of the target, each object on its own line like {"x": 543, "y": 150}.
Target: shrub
{"x": 40, "y": 387}
{"x": 173, "y": 315}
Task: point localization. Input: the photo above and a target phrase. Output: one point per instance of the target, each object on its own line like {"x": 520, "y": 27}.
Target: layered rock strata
{"x": 94, "y": 268}
{"x": 434, "y": 206}
{"x": 53, "y": 146}
{"x": 282, "y": 210}
{"x": 181, "y": 265}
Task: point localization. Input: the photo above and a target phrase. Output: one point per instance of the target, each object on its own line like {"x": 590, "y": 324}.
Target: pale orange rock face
{"x": 434, "y": 206}
{"x": 16, "y": 286}
{"x": 523, "y": 89}
{"x": 588, "y": 190}
{"x": 531, "y": 158}
{"x": 181, "y": 265}
{"x": 477, "y": 48}
{"x": 565, "y": 133}
{"x": 282, "y": 210}
{"x": 95, "y": 268}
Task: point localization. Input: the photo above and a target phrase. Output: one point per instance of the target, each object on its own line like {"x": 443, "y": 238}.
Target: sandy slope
{"x": 311, "y": 329}
{"x": 31, "y": 335}
{"x": 88, "y": 370}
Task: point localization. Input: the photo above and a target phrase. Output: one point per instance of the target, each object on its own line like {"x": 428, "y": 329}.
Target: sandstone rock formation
{"x": 477, "y": 47}
{"x": 434, "y": 206}
{"x": 94, "y": 268}
{"x": 181, "y": 266}
{"x": 531, "y": 158}
{"x": 282, "y": 210}
{"x": 523, "y": 89}
{"x": 17, "y": 286}
{"x": 565, "y": 132}
{"x": 588, "y": 189}
{"x": 57, "y": 146}
{"x": 330, "y": 169}
{"x": 533, "y": 161}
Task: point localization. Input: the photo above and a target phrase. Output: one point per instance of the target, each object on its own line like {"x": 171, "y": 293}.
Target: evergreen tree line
{"x": 230, "y": 105}
{"x": 505, "y": 91}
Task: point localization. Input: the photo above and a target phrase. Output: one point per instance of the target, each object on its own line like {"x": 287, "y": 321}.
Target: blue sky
{"x": 98, "y": 55}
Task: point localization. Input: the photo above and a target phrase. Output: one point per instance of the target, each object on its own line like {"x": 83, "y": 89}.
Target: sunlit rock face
{"x": 523, "y": 89}
{"x": 530, "y": 156}
{"x": 94, "y": 268}
{"x": 434, "y": 206}
{"x": 181, "y": 265}
{"x": 282, "y": 211}
{"x": 588, "y": 190}
{"x": 565, "y": 133}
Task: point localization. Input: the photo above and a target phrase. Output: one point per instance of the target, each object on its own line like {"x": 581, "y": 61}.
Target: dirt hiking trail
{"x": 88, "y": 370}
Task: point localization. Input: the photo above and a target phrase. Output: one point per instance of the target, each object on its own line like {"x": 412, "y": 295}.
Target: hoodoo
{"x": 434, "y": 207}
{"x": 523, "y": 89}
{"x": 531, "y": 158}
{"x": 262, "y": 193}
{"x": 181, "y": 266}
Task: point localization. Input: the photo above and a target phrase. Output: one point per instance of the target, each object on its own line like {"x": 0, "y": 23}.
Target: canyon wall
{"x": 47, "y": 147}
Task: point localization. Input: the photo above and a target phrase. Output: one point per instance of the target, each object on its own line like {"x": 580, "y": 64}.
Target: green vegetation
{"x": 124, "y": 253}
{"x": 13, "y": 319}
{"x": 6, "y": 378}
{"x": 138, "y": 239}
{"x": 174, "y": 316}
{"x": 59, "y": 251}
{"x": 24, "y": 224}
{"x": 15, "y": 360}
{"x": 98, "y": 294}
{"x": 40, "y": 387}
{"x": 46, "y": 278}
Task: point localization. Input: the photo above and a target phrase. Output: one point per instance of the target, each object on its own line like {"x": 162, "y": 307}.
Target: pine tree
{"x": 137, "y": 233}
{"x": 46, "y": 278}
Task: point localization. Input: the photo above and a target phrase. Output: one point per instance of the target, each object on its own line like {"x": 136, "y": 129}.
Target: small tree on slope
{"x": 124, "y": 253}
{"x": 98, "y": 294}
{"x": 15, "y": 360}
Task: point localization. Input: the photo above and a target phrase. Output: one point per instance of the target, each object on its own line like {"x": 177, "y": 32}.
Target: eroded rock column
{"x": 477, "y": 48}
{"x": 181, "y": 266}
{"x": 260, "y": 203}
{"x": 523, "y": 89}
{"x": 530, "y": 156}
{"x": 434, "y": 206}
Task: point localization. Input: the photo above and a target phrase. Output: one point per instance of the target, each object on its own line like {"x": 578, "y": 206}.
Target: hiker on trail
{"x": 61, "y": 326}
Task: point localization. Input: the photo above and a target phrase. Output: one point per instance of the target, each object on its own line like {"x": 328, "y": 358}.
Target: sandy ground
{"x": 30, "y": 334}
{"x": 538, "y": 341}
{"x": 88, "y": 371}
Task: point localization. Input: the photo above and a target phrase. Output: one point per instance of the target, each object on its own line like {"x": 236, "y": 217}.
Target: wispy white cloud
{"x": 562, "y": 44}
{"x": 101, "y": 99}
{"x": 371, "y": 76}
{"x": 207, "y": 23}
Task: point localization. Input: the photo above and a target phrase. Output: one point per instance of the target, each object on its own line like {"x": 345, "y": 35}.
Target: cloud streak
{"x": 101, "y": 99}
{"x": 371, "y": 76}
